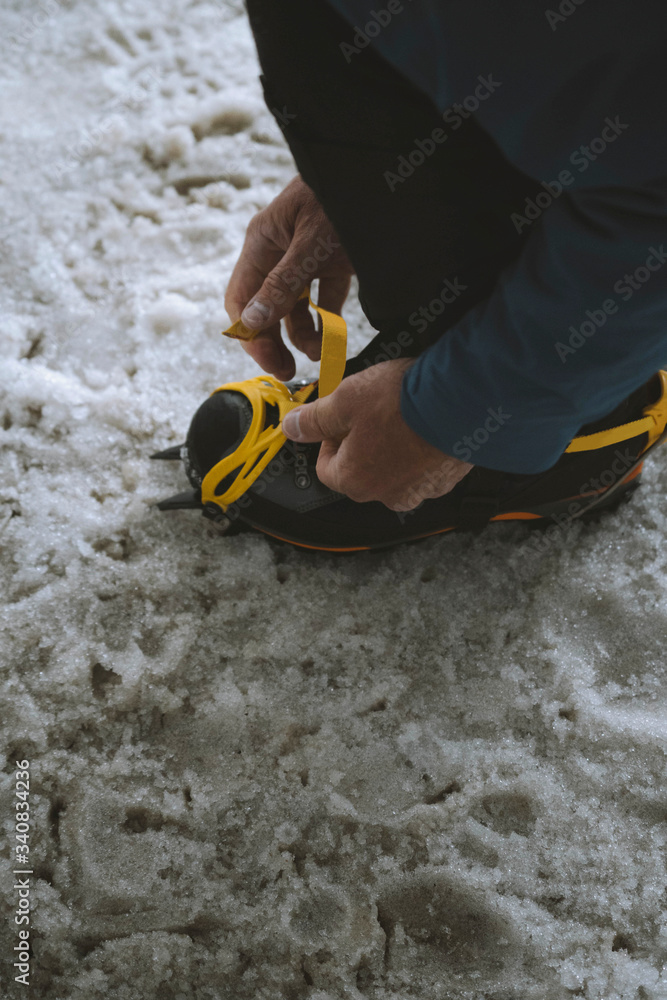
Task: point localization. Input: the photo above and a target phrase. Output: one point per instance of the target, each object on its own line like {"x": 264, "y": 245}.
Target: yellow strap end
{"x": 237, "y": 331}
{"x": 334, "y": 344}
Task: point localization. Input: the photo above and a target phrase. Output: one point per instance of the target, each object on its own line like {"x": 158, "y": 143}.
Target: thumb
{"x": 276, "y": 298}
{"x": 320, "y": 420}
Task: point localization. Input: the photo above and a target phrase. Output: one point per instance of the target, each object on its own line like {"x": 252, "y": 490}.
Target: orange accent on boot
{"x": 519, "y": 515}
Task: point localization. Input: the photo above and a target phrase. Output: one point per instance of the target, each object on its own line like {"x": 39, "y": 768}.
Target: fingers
{"x": 432, "y": 483}
{"x": 278, "y": 294}
{"x": 262, "y": 290}
{"x": 328, "y": 465}
{"x": 401, "y": 507}
{"x": 271, "y": 354}
{"x": 282, "y": 252}
{"x": 333, "y": 292}
{"x": 264, "y": 285}
{"x": 323, "y": 420}
{"x": 302, "y": 332}
{"x": 252, "y": 273}
{"x": 258, "y": 257}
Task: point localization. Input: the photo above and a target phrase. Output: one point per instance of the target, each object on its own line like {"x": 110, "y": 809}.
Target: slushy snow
{"x": 436, "y": 772}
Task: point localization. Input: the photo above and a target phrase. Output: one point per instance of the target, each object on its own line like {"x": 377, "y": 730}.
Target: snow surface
{"x": 436, "y": 772}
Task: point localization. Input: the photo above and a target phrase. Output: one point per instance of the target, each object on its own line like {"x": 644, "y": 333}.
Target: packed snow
{"x": 434, "y": 772}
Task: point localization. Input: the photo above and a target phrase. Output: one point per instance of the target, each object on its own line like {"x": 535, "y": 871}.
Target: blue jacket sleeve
{"x": 577, "y": 323}
{"x": 580, "y": 319}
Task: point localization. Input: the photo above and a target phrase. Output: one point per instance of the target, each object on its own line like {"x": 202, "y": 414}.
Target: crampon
{"x": 245, "y": 474}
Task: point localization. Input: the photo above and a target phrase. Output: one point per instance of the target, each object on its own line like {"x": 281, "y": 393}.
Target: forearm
{"x": 577, "y": 323}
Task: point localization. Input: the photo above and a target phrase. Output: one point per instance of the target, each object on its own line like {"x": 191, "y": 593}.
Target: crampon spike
{"x": 188, "y": 500}
{"x": 172, "y": 454}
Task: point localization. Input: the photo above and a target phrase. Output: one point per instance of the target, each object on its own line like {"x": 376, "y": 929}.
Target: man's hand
{"x": 287, "y": 245}
{"x": 368, "y": 451}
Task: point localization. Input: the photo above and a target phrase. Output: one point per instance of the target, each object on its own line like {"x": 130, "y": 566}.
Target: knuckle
{"x": 328, "y": 478}
{"x": 328, "y": 422}
{"x": 356, "y": 489}
{"x": 342, "y": 398}
{"x": 255, "y": 225}
{"x": 276, "y": 286}
{"x": 403, "y": 499}
{"x": 271, "y": 225}
{"x": 364, "y": 495}
{"x": 231, "y": 298}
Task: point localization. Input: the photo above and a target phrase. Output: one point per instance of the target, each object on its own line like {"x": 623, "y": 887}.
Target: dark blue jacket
{"x": 578, "y": 100}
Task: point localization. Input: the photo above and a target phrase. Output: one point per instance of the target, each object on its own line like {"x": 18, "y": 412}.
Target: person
{"x": 496, "y": 177}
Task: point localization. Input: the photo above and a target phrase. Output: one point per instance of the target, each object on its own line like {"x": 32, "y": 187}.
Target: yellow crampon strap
{"x": 264, "y": 438}
{"x": 262, "y": 442}
{"x": 334, "y": 345}
{"x": 652, "y": 423}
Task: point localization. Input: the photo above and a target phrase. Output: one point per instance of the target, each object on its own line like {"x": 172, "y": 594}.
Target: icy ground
{"x": 257, "y": 773}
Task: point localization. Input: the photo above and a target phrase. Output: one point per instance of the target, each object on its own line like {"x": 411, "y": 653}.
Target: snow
{"x": 255, "y": 772}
